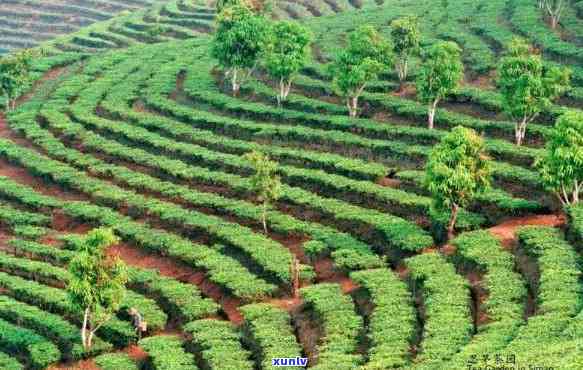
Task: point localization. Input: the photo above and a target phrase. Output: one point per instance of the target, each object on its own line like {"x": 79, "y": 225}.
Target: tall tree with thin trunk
{"x": 527, "y": 85}
{"x": 406, "y": 38}
{"x": 14, "y": 76}
{"x": 367, "y": 54}
{"x": 554, "y": 9}
{"x": 561, "y": 165}
{"x": 458, "y": 169}
{"x": 265, "y": 181}
{"x": 287, "y": 51}
{"x": 97, "y": 284}
{"x": 238, "y": 43}
{"x": 440, "y": 74}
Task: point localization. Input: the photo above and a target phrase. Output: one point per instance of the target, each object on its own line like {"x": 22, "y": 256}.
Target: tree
{"x": 554, "y": 9}
{"x": 257, "y": 6}
{"x": 238, "y": 42}
{"x": 458, "y": 169}
{"x": 366, "y": 55}
{"x": 406, "y": 38}
{"x": 440, "y": 74}
{"x": 561, "y": 165}
{"x": 97, "y": 284}
{"x": 14, "y": 75}
{"x": 287, "y": 50}
{"x": 265, "y": 181}
{"x": 527, "y": 85}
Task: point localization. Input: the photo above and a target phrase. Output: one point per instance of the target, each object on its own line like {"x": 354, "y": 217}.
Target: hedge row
{"x": 13, "y": 217}
{"x": 502, "y": 149}
{"x": 250, "y": 286}
{"x": 447, "y": 321}
{"x": 125, "y": 151}
{"x": 54, "y": 327}
{"x": 558, "y": 298}
{"x": 166, "y": 352}
{"x": 56, "y": 276}
{"x": 8, "y": 362}
{"x": 180, "y": 300}
{"x": 118, "y": 100}
{"x": 219, "y": 345}
{"x": 502, "y": 202}
{"x": 341, "y": 326}
{"x": 322, "y": 182}
{"x": 505, "y": 291}
{"x": 269, "y": 334}
{"x": 118, "y": 332}
{"x": 37, "y": 351}
{"x": 392, "y": 323}
{"x": 199, "y": 85}
{"x": 575, "y": 215}
{"x": 115, "y": 361}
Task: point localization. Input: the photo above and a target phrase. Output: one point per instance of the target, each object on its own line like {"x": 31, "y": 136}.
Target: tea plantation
{"x": 128, "y": 123}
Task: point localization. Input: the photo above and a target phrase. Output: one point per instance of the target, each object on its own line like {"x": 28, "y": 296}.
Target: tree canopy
{"x": 367, "y": 54}
{"x": 406, "y": 38}
{"x": 528, "y": 85}
{"x": 561, "y": 165}
{"x": 287, "y": 51}
{"x": 458, "y": 169}
{"x": 265, "y": 181}
{"x": 97, "y": 284}
{"x": 440, "y": 74}
{"x": 239, "y": 42}
{"x": 14, "y": 75}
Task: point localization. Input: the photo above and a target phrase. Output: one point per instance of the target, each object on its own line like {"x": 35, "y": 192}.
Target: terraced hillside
{"x": 26, "y": 23}
{"x": 154, "y": 150}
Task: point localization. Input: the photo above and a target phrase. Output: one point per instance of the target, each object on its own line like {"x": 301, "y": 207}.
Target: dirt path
{"x": 167, "y": 267}
{"x": 326, "y": 273}
{"x": 506, "y": 231}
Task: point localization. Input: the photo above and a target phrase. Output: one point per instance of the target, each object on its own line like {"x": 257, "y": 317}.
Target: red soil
{"x": 408, "y": 91}
{"x": 480, "y": 295}
{"x": 167, "y": 267}
{"x": 326, "y": 273}
{"x": 388, "y": 182}
{"x": 294, "y": 243}
{"x": 289, "y": 304}
{"x": 402, "y": 271}
{"x": 506, "y": 231}
{"x": 136, "y": 353}
{"x": 81, "y": 365}
{"x": 448, "y": 250}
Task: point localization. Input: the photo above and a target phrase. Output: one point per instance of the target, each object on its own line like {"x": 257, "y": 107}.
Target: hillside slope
{"x": 129, "y": 125}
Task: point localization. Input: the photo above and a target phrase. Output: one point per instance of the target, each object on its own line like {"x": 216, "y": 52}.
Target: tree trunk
{"x": 431, "y": 117}
{"x": 295, "y": 275}
{"x": 264, "y": 217}
{"x": 452, "y": 220}
{"x": 287, "y": 89}
{"x": 90, "y": 339}
{"x": 554, "y": 22}
{"x": 84, "y": 329}
{"x": 402, "y": 73}
{"x": 520, "y": 131}
{"x": 352, "y": 104}
{"x": 236, "y": 86}
{"x": 284, "y": 89}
